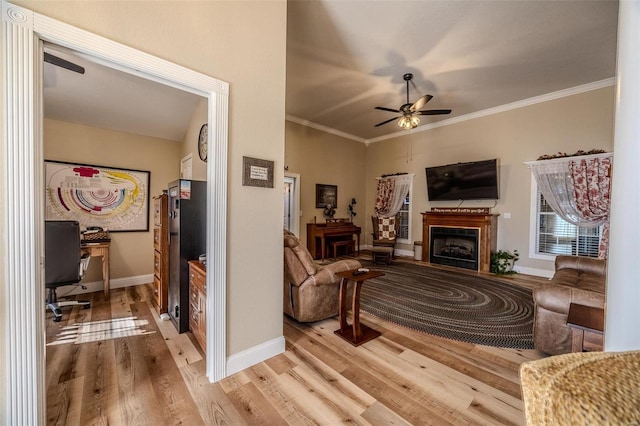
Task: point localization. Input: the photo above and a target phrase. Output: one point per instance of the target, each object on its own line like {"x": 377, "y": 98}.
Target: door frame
{"x": 23, "y": 33}
{"x": 295, "y": 217}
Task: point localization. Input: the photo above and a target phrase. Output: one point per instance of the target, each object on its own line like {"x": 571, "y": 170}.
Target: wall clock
{"x": 202, "y": 142}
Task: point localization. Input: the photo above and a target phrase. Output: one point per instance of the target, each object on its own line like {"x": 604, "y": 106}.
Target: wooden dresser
{"x": 198, "y": 302}
{"x": 161, "y": 252}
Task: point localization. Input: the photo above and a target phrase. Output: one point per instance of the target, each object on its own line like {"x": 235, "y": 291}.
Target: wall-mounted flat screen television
{"x": 477, "y": 180}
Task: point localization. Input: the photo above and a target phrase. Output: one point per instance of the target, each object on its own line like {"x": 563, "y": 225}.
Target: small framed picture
{"x": 256, "y": 172}
{"x": 326, "y": 195}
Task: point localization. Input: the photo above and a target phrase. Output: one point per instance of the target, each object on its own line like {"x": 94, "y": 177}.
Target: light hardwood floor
{"x": 141, "y": 372}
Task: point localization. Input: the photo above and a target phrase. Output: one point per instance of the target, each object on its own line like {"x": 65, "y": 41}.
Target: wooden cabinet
{"x": 198, "y": 302}
{"x": 160, "y": 252}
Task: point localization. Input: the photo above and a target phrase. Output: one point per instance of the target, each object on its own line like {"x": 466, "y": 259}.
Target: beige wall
{"x": 320, "y": 157}
{"x": 242, "y": 43}
{"x": 583, "y": 121}
{"x": 131, "y": 252}
{"x": 190, "y": 145}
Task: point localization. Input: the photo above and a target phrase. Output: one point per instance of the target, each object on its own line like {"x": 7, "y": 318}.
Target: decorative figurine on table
{"x": 352, "y": 213}
{"x": 329, "y": 211}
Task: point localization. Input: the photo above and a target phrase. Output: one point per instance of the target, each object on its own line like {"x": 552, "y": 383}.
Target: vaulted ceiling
{"x": 345, "y": 57}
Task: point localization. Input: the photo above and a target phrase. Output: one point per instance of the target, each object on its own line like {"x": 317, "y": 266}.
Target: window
{"x": 404, "y": 227}
{"x": 553, "y": 235}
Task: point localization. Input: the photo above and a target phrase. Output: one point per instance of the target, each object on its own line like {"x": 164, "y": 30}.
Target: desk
{"x": 357, "y": 333}
{"x": 317, "y": 235}
{"x": 100, "y": 250}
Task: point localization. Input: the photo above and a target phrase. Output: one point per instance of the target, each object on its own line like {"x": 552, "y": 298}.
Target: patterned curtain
{"x": 581, "y": 200}
{"x": 384, "y": 195}
{"x": 391, "y": 193}
{"x": 591, "y": 186}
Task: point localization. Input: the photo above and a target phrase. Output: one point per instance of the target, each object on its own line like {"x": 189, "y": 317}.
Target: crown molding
{"x": 478, "y": 114}
{"x": 508, "y": 107}
{"x": 322, "y": 128}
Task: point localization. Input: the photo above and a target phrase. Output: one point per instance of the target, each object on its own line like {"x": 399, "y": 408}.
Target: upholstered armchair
{"x": 578, "y": 280}
{"x": 311, "y": 291}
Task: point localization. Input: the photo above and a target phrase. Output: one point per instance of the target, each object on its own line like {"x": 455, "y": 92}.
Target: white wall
{"x": 623, "y": 290}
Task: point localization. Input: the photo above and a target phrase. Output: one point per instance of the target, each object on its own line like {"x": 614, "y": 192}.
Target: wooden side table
{"x": 357, "y": 333}
{"x": 587, "y": 327}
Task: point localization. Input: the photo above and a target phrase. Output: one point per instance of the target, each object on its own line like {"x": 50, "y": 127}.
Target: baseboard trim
{"x": 396, "y": 252}
{"x": 520, "y": 269}
{"x": 407, "y": 253}
{"x": 534, "y": 271}
{"x": 255, "y": 355}
{"x": 99, "y": 285}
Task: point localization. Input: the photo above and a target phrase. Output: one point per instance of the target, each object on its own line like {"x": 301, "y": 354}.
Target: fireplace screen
{"x": 454, "y": 247}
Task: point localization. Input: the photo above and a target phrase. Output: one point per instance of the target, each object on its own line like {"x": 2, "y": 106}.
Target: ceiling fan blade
{"x": 420, "y": 103}
{"x": 434, "y": 112}
{"x": 54, "y": 60}
{"x": 387, "y": 109}
{"x": 385, "y": 122}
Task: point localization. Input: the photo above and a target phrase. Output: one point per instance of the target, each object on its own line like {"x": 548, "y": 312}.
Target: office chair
{"x": 63, "y": 262}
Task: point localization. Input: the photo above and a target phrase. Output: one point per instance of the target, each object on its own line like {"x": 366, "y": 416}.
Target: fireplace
{"x": 473, "y": 236}
{"x": 454, "y": 246}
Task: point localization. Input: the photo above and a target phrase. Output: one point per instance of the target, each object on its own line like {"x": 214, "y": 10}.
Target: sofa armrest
{"x": 327, "y": 274}
{"x": 557, "y": 298}
{"x": 343, "y": 265}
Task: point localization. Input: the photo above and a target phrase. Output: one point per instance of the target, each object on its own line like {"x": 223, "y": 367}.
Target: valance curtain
{"x": 391, "y": 193}
{"x": 578, "y": 190}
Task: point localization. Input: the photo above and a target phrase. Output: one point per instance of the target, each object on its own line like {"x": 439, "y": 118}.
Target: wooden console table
{"x": 486, "y": 223}
{"x": 587, "y": 327}
{"x": 357, "y": 333}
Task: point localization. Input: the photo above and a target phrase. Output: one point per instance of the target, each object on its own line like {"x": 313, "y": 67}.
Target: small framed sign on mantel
{"x": 480, "y": 210}
{"x": 256, "y": 172}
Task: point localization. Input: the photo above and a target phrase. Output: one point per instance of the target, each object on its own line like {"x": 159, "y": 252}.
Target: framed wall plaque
{"x": 256, "y": 172}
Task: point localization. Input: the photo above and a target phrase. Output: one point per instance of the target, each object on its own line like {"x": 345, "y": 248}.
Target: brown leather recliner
{"x": 311, "y": 291}
{"x": 578, "y": 280}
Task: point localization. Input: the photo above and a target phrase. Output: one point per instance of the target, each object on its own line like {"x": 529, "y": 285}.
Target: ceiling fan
{"x": 410, "y": 111}
{"x": 55, "y": 60}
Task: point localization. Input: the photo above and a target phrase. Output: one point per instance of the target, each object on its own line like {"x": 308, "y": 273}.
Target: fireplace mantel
{"x": 486, "y": 223}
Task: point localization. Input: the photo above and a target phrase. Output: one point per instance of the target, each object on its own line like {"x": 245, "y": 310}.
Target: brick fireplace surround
{"x": 486, "y": 224}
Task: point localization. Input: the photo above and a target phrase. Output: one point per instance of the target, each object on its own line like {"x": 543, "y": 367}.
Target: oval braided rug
{"x": 453, "y": 305}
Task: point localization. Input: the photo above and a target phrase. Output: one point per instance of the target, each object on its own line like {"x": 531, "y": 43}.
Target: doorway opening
{"x": 23, "y": 160}
{"x": 292, "y": 203}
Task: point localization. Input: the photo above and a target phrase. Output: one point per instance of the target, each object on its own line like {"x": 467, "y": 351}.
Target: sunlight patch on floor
{"x": 95, "y": 331}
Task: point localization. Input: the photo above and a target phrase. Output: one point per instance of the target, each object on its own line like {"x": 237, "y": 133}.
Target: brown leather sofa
{"x": 578, "y": 280}
{"x": 311, "y": 291}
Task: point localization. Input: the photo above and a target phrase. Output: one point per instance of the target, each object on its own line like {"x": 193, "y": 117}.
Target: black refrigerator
{"x": 187, "y": 241}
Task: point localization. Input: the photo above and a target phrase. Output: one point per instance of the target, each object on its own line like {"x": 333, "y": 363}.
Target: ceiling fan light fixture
{"x": 410, "y": 111}
{"x": 409, "y": 122}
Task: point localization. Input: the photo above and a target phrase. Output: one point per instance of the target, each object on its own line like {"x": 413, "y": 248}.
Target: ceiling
{"x": 107, "y": 98}
{"x": 345, "y": 57}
